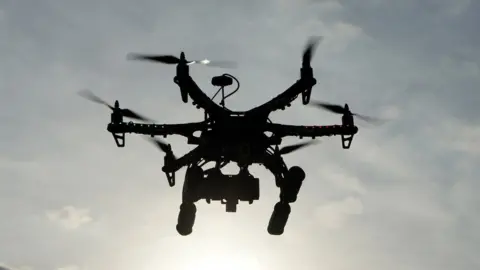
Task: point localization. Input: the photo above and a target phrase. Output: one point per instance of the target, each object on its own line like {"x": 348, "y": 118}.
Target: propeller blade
{"x": 294, "y": 147}
{"x": 165, "y": 59}
{"x": 343, "y": 110}
{"x": 310, "y": 49}
{"x": 89, "y": 95}
{"x": 219, "y": 64}
{"x": 133, "y": 115}
{"x": 329, "y": 107}
{"x": 170, "y": 59}
{"x": 371, "y": 120}
{"x": 163, "y": 146}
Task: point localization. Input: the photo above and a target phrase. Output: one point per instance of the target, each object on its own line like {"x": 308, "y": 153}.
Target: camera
{"x": 229, "y": 189}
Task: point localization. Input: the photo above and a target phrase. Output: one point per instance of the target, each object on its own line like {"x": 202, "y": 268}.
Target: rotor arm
{"x": 280, "y": 130}
{"x": 185, "y": 130}
{"x": 288, "y": 96}
{"x": 200, "y": 99}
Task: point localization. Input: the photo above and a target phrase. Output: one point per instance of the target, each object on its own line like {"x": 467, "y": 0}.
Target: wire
{"x": 234, "y": 91}
{"x": 212, "y": 98}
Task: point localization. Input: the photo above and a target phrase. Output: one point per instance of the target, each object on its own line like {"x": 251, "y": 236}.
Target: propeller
{"x": 338, "y": 109}
{"x": 87, "y": 94}
{"x": 163, "y": 146}
{"x": 294, "y": 147}
{"x": 172, "y": 60}
{"x": 310, "y": 49}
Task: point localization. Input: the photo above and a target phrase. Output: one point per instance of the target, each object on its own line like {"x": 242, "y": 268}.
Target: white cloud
{"x": 69, "y": 267}
{"x": 327, "y": 6}
{"x": 457, "y": 136}
{"x": 403, "y": 170}
{"x": 4, "y": 266}
{"x": 346, "y": 31}
{"x": 337, "y": 35}
{"x": 459, "y": 68}
{"x": 457, "y": 7}
{"x": 70, "y": 217}
{"x": 468, "y": 140}
{"x": 341, "y": 179}
{"x": 390, "y": 113}
{"x": 334, "y": 214}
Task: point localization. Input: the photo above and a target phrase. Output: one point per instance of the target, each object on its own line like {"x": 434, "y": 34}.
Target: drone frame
{"x": 222, "y": 127}
{"x": 189, "y": 88}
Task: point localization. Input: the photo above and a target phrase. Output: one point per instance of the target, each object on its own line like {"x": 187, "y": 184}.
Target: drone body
{"x": 228, "y": 136}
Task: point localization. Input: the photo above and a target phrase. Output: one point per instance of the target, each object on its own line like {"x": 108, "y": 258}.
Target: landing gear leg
{"x": 277, "y": 167}
{"x": 186, "y": 218}
{"x": 188, "y": 210}
{"x": 281, "y": 212}
{"x": 289, "y": 188}
{"x": 170, "y": 178}
{"x": 279, "y": 218}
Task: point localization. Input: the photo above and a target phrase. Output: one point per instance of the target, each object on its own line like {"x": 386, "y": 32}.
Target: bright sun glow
{"x": 200, "y": 253}
{"x": 225, "y": 262}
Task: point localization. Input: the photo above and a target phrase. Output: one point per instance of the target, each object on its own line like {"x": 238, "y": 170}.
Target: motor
{"x": 182, "y": 72}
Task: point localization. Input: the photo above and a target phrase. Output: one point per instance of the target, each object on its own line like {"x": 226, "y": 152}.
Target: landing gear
{"x": 188, "y": 210}
{"x": 293, "y": 183}
{"x": 230, "y": 189}
{"x": 288, "y": 194}
{"x": 193, "y": 179}
{"x": 186, "y": 218}
{"x": 279, "y": 218}
{"x": 213, "y": 185}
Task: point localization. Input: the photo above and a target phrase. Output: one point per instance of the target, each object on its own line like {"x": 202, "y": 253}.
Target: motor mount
{"x": 115, "y": 119}
{"x": 347, "y": 122}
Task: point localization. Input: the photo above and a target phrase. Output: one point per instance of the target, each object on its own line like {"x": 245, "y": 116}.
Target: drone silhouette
{"x": 229, "y": 136}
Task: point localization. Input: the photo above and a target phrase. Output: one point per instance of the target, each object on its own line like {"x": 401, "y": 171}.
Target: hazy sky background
{"x": 404, "y": 197}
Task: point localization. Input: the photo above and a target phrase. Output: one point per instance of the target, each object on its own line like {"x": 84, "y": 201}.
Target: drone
{"x": 226, "y": 136}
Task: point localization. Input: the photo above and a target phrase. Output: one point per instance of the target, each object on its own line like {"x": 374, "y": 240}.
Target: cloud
{"x": 345, "y": 33}
{"x": 337, "y": 35}
{"x": 457, "y": 135}
{"x": 4, "y": 266}
{"x": 456, "y": 8}
{"x": 335, "y": 214}
{"x": 69, "y": 267}
{"x": 411, "y": 61}
{"x": 70, "y": 217}
{"x": 329, "y": 6}
{"x": 467, "y": 141}
{"x": 342, "y": 180}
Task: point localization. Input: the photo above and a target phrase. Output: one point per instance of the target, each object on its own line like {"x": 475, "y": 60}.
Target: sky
{"x": 402, "y": 198}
